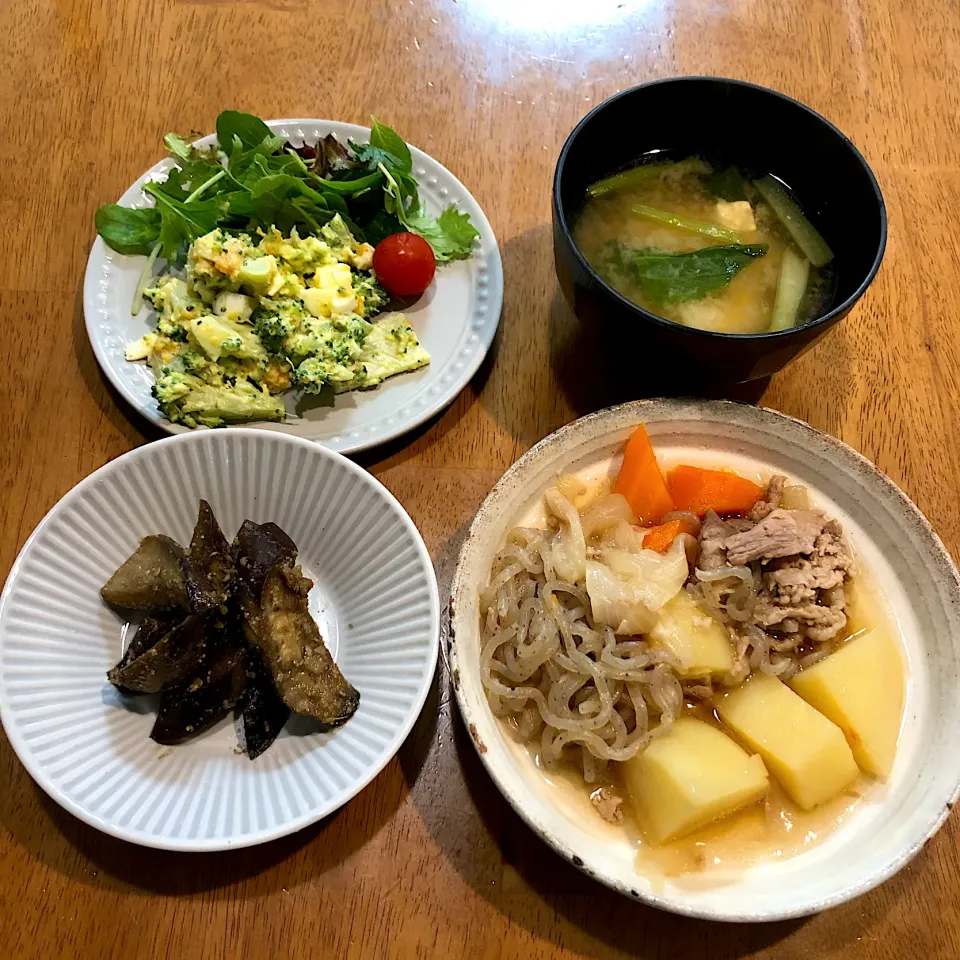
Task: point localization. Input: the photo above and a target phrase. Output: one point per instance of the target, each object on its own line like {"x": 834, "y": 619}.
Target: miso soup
{"x": 707, "y": 248}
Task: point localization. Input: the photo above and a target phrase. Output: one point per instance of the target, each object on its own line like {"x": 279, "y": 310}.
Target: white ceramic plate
{"x": 911, "y": 569}
{"x": 456, "y": 318}
{"x": 375, "y": 598}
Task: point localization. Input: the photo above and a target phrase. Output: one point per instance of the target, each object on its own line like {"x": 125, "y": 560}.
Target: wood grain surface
{"x": 429, "y": 860}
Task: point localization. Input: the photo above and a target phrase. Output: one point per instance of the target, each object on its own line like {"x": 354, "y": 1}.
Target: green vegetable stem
{"x": 627, "y": 178}
{"x": 701, "y": 227}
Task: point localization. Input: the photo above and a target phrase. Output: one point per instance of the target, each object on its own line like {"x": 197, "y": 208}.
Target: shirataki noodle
{"x": 562, "y": 668}
{"x": 553, "y": 673}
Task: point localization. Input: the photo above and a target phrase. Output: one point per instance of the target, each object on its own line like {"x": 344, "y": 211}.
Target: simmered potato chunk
{"x": 690, "y": 776}
{"x": 800, "y": 746}
{"x": 860, "y": 688}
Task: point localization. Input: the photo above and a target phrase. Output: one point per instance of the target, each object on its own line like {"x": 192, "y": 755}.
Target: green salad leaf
{"x": 128, "y": 231}
{"x": 677, "y": 277}
{"x": 255, "y": 179}
{"x": 285, "y": 202}
{"x": 251, "y": 131}
{"x": 451, "y": 235}
{"x": 390, "y": 142}
{"x": 181, "y": 222}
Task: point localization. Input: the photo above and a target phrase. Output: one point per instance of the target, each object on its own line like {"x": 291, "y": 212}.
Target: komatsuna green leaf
{"x": 128, "y": 231}
{"x": 389, "y": 141}
{"x": 727, "y": 185}
{"x": 676, "y": 277}
{"x": 251, "y": 131}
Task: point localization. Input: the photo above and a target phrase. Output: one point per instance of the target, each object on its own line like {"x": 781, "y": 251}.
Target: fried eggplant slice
{"x": 262, "y": 710}
{"x": 151, "y": 579}
{"x": 208, "y": 567}
{"x": 174, "y": 657}
{"x": 258, "y": 548}
{"x": 206, "y": 698}
{"x": 150, "y": 632}
{"x": 303, "y": 671}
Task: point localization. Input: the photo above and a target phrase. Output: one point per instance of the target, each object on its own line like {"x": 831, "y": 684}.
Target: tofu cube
{"x": 860, "y": 688}
{"x": 700, "y": 644}
{"x": 737, "y": 215}
{"x": 805, "y": 751}
{"x": 692, "y": 775}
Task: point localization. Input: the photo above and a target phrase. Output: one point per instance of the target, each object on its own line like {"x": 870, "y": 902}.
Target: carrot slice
{"x": 661, "y": 537}
{"x": 699, "y": 490}
{"x": 641, "y": 481}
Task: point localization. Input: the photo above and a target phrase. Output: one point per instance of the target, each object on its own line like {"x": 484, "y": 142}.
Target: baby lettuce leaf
{"x": 390, "y": 142}
{"x": 284, "y": 201}
{"x": 251, "y": 131}
{"x": 254, "y": 179}
{"x": 128, "y": 231}
{"x": 677, "y": 277}
{"x": 381, "y": 225}
{"x": 348, "y": 188}
{"x": 180, "y": 222}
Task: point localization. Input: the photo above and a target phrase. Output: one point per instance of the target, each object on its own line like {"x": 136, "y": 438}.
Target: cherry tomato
{"x": 404, "y": 263}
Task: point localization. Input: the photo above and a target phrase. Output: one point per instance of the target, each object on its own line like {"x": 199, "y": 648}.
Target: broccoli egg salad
{"x": 279, "y": 258}
{"x": 256, "y": 317}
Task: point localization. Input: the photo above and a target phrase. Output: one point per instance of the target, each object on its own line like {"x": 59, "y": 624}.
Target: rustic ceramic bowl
{"x": 912, "y": 570}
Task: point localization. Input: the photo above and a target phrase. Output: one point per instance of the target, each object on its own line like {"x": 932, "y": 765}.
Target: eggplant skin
{"x": 263, "y": 711}
{"x": 202, "y": 700}
{"x": 173, "y": 658}
{"x": 258, "y": 548}
{"x": 304, "y": 673}
{"x": 150, "y": 580}
{"x": 149, "y": 633}
{"x": 208, "y": 567}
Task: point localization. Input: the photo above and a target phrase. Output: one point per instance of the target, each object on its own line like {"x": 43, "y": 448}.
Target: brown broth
{"x": 745, "y": 305}
{"x": 772, "y": 829}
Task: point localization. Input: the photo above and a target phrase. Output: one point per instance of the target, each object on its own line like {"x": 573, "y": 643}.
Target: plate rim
{"x": 35, "y": 770}
{"x": 97, "y": 258}
{"x": 678, "y": 407}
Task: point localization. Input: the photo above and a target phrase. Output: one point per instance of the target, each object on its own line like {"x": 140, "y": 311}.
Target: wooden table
{"x": 429, "y": 860}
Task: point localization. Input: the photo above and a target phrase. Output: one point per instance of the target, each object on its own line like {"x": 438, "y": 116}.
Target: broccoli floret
{"x": 275, "y": 321}
{"x": 272, "y": 329}
{"x": 186, "y": 399}
{"x": 172, "y": 385}
{"x": 316, "y": 372}
{"x": 339, "y": 339}
{"x": 371, "y": 297}
{"x": 172, "y": 329}
{"x": 194, "y": 362}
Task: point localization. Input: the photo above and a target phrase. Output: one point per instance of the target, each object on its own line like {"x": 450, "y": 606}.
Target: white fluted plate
{"x": 375, "y": 599}
{"x": 456, "y": 318}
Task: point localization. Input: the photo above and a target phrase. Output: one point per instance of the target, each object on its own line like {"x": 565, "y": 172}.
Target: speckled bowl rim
{"x": 464, "y": 632}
